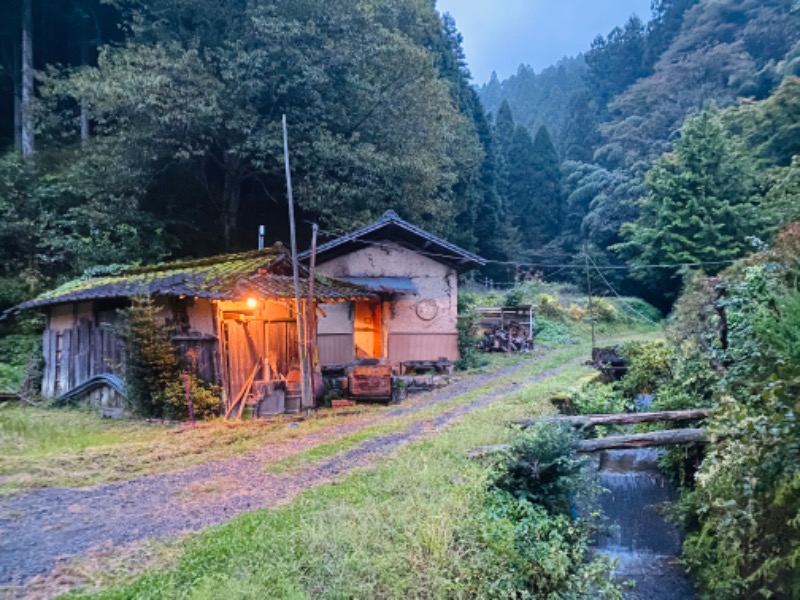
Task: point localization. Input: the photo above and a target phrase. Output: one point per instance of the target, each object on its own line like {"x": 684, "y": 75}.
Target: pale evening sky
{"x": 501, "y": 34}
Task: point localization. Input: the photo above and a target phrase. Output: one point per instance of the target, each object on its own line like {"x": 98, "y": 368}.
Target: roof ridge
{"x": 390, "y": 217}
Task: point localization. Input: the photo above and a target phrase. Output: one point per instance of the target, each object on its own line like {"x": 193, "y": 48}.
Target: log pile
{"x": 610, "y": 363}
{"x": 513, "y": 337}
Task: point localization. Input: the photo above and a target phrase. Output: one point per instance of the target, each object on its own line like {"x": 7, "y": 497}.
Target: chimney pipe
{"x": 261, "y": 231}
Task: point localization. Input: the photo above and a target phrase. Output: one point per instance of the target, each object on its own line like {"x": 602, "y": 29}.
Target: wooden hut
{"x": 414, "y": 276}
{"x": 225, "y": 315}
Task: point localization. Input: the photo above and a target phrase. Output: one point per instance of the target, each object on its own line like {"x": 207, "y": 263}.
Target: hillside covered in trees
{"x": 135, "y": 131}
{"x": 675, "y": 138}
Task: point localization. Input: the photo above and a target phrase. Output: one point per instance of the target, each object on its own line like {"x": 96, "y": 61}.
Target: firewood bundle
{"x": 511, "y": 337}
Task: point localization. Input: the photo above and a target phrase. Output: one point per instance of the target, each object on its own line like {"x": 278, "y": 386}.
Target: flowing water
{"x": 639, "y": 538}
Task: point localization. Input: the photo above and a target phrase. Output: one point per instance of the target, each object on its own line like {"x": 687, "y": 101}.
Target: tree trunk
{"x": 231, "y": 196}
{"x": 670, "y": 437}
{"x": 15, "y": 72}
{"x": 583, "y": 421}
{"x": 26, "y": 105}
{"x": 84, "y": 103}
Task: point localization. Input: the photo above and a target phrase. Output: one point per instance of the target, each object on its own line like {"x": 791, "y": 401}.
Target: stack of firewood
{"x": 511, "y": 337}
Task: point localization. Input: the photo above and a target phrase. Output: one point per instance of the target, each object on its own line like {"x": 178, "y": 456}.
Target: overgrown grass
{"x": 393, "y": 531}
{"x": 51, "y": 447}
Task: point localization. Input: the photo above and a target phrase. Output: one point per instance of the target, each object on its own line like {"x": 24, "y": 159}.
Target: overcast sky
{"x": 499, "y": 35}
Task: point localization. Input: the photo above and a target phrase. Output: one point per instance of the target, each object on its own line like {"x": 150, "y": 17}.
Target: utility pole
{"x": 305, "y": 402}
{"x": 311, "y": 327}
{"x": 589, "y": 289}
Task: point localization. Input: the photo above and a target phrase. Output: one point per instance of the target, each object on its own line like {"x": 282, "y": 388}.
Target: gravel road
{"x": 39, "y": 528}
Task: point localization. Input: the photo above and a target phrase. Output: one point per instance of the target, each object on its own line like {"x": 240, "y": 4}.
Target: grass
{"x": 51, "y": 447}
{"x": 387, "y": 532}
{"x": 391, "y": 531}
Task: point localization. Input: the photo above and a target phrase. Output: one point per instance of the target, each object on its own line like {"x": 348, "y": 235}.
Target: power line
{"x": 562, "y": 267}
{"x": 614, "y": 291}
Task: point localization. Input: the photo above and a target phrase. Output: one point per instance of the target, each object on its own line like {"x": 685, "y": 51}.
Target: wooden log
{"x": 242, "y": 394}
{"x": 583, "y": 421}
{"x": 670, "y": 437}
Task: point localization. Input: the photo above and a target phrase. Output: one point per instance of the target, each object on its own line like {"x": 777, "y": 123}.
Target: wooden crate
{"x": 372, "y": 382}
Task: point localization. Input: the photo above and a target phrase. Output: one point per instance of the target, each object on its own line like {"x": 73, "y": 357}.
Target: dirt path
{"x": 41, "y": 527}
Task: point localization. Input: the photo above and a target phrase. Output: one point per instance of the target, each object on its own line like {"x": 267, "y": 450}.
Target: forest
{"x": 662, "y": 163}
{"x": 170, "y": 104}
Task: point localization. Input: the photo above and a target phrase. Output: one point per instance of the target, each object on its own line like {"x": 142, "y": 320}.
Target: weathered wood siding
{"x": 74, "y": 355}
{"x": 335, "y": 348}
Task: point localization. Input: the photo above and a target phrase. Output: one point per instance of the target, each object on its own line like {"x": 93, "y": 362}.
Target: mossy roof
{"x": 226, "y": 277}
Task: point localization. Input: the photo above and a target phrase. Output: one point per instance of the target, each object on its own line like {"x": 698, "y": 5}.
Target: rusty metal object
{"x": 370, "y": 382}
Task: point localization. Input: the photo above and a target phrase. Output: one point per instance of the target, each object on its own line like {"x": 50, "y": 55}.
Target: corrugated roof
{"x": 391, "y": 227}
{"x": 221, "y": 277}
{"x": 389, "y": 285}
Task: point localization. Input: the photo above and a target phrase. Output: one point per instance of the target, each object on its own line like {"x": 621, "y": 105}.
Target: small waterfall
{"x": 639, "y": 538}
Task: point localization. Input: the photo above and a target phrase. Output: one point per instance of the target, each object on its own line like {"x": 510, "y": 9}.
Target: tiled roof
{"x": 390, "y": 226}
{"x": 221, "y": 277}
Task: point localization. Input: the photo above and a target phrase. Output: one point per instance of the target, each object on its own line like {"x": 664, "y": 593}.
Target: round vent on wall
{"x": 427, "y": 310}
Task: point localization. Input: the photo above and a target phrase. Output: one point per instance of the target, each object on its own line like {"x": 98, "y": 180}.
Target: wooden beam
{"x": 242, "y": 394}
{"x": 584, "y": 421}
{"x": 670, "y": 437}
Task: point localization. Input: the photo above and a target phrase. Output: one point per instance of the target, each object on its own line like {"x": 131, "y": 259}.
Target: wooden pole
{"x": 670, "y": 437}
{"x": 583, "y": 421}
{"x": 305, "y": 401}
{"x": 589, "y": 289}
{"x": 311, "y": 329}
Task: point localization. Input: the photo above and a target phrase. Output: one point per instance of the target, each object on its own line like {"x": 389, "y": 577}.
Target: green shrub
{"x": 467, "y": 327}
{"x": 543, "y": 468}
{"x": 600, "y": 399}
{"x": 153, "y": 380}
{"x": 553, "y": 332}
{"x": 649, "y": 366}
{"x": 602, "y": 310}
{"x": 524, "y": 541}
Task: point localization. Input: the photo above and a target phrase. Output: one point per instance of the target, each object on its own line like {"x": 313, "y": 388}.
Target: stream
{"x": 644, "y": 544}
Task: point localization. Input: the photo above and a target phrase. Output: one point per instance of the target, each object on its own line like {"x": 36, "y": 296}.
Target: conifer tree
{"x": 504, "y": 127}
{"x": 547, "y": 210}
{"x": 520, "y": 184}
{"x": 700, "y": 205}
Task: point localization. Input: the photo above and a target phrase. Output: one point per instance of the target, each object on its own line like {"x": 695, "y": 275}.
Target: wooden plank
{"x": 48, "y": 351}
{"x": 74, "y": 352}
{"x": 242, "y": 394}
{"x": 583, "y": 421}
{"x": 669, "y": 437}
{"x": 65, "y": 362}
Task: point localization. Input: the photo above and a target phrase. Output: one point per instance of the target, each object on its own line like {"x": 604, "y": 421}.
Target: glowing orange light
{"x": 252, "y": 302}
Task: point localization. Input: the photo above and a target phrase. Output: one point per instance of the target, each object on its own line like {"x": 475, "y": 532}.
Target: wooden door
{"x": 367, "y": 330}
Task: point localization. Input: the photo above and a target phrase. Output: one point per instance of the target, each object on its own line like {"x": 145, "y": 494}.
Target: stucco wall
{"x": 437, "y": 287}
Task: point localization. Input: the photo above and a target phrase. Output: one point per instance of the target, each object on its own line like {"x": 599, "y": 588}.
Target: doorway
{"x": 367, "y": 330}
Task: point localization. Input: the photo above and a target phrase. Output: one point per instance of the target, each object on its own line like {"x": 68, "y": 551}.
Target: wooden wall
{"x": 74, "y": 355}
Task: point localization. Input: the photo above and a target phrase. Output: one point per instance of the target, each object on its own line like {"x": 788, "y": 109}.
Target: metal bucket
{"x": 293, "y": 397}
